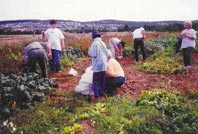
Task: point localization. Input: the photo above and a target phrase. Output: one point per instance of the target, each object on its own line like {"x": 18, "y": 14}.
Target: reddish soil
{"x": 136, "y": 81}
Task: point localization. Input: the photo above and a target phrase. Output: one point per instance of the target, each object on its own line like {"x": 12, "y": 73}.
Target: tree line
{"x": 157, "y": 28}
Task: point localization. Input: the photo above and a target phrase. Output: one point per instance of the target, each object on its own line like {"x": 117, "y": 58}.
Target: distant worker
{"x": 138, "y": 37}
{"x": 34, "y": 53}
{"x": 115, "y": 76}
{"x": 188, "y": 36}
{"x": 56, "y": 40}
{"x": 116, "y": 47}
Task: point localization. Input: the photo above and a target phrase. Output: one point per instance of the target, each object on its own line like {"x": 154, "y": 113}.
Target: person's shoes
{"x": 59, "y": 71}
{"x": 136, "y": 62}
{"x": 189, "y": 67}
{"x": 94, "y": 99}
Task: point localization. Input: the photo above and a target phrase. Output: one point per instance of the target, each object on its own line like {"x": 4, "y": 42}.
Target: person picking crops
{"x": 115, "y": 76}
{"x": 56, "y": 40}
{"x": 188, "y": 36}
{"x": 34, "y": 53}
{"x": 138, "y": 37}
{"x": 116, "y": 47}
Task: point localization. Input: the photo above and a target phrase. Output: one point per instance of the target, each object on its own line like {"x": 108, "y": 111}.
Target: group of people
{"x": 41, "y": 52}
{"x": 107, "y": 73}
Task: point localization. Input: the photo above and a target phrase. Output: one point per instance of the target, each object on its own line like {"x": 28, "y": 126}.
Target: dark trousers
{"x": 99, "y": 83}
{"x": 112, "y": 83}
{"x": 39, "y": 56}
{"x": 55, "y": 61}
{"x": 137, "y": 43}
{"x": 187, "y": 53}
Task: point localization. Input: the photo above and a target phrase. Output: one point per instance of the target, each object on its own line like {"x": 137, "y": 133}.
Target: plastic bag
{"x": 73, "y": 72}
{"x": 85, "y": 84}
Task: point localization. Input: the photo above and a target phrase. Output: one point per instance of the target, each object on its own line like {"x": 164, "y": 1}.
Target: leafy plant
{"x": 21, "y": 91}
{"x": 71, "y": 55}
{"x": 161, "y": 44}
{"x": 161, "y": 62}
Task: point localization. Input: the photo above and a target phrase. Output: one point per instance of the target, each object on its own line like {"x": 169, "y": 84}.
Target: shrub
{"x": 21, "y": 91}
{"x": 161, "y": 62}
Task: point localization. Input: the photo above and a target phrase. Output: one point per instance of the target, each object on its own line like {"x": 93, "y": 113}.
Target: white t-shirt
{"x": 113, "y": 42}
{"x": 138, "y": 33}
{"x": 186, "y": 42}
{"x": 54, "y": 37}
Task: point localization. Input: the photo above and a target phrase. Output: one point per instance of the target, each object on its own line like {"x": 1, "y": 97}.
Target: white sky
{"x": 89, "y": 10}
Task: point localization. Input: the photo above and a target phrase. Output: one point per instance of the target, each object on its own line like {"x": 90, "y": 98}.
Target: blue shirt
{"x": 99, "y": 55}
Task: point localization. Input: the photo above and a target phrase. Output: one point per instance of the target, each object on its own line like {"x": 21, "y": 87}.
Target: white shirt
{"x": 138, "y": 33}
{"x": 54, "y": 37}
{"x": 186, "y": 42}
{"x": 113, "y": 42}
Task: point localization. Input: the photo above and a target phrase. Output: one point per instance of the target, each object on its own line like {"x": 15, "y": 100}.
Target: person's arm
{"x": 63, "y": 44}
{"x": 143, "y": 33}
{"x": 49, "y": 50}
{"x": 116, "y": 49}
{"x": 92, "y": 51}
{"x": 43, "y": 34}
{"x": 188, "y": 36}
{"x": 25, "y": 54}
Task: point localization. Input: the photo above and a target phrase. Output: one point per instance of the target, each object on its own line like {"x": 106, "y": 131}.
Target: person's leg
{"x": 189, "y": 52}
{"x": 143, "y": 49}
{"x": 95, "y": 85}
{"x": 32, "y": 60}
{"x": 120, "y": 81}
{"x": 102, "y": 76}
{"x": 57, "y": 60}
{"x": 42, "y": 60}
{"x": 185, "y": 56}
{"x": 52, "y": 61}
{"x": 136, "y": 50}
{"x": 111, "y": 86}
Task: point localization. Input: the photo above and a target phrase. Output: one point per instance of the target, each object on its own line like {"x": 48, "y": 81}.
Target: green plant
{"x": 161, "y": 62}
{"x": 22, "y": 91}
{"x": 154, "y": 112}
{"x": 71, "y": 55}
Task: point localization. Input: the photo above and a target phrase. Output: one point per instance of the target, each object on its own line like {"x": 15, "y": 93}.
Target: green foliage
{"x": 196, "y": 47}
{"x": 12, "y": 58}
{"x": 72, "y": 129}
{"x": 21, "y": 91}
{"x": 161, "y": 62}
{"x": 163, "y": 43}
{"x": 59, "y": 114}
{"x": 128, "y": 50}
{"x": 154, "y": 112}
{"x": 71, "y": 55}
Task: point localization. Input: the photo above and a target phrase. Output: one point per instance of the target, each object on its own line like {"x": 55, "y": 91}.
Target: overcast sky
{"x": 89, "y": 10}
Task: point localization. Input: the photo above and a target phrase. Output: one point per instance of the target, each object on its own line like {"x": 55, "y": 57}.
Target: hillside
{"x": 69, "y": 25}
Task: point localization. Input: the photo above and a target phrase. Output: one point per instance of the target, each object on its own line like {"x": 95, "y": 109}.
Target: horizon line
{"x": 95, "y": 20}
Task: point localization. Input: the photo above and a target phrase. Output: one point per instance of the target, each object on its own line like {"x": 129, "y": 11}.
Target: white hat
{"x": 188, "y": 22}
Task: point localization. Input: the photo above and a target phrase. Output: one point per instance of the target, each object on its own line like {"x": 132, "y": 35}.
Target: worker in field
{"x": 36, "y": 52}
{"x": 138, "y": 37}
{"x": 116, "y": 47}
{"x": 56, "y": 41}
{"x": 188, "y": 36}
{"x": 115, "y": 76}
{"x": 98, "y": 52}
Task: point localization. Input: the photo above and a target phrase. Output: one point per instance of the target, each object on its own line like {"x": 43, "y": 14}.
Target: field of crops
{"x": 158, "y": 97}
